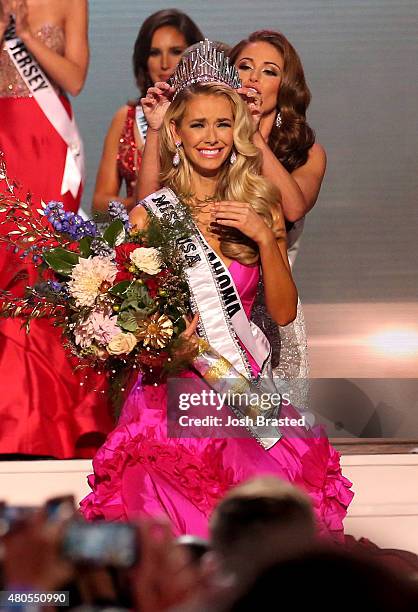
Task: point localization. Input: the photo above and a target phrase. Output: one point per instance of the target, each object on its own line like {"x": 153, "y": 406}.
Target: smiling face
{"x": 260, "y": 66}
{"x": 167, "y": 46}
{"x": 206, "y": 132}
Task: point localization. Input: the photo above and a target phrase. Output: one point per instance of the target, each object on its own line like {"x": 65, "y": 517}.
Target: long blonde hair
{"x": 241, "y": 181}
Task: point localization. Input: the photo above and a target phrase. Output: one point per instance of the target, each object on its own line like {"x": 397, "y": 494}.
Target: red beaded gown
{"x": 44, "y": 410}
{"x": 129, "y": 156}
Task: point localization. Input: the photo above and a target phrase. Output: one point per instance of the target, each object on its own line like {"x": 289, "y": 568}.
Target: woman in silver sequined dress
{"x": 274, "y": 82}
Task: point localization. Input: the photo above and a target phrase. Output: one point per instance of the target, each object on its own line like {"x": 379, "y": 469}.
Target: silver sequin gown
{"x": 289, "y": 345}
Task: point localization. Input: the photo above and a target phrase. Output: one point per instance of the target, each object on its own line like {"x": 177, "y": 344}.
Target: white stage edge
{"x": 384, "y": 509}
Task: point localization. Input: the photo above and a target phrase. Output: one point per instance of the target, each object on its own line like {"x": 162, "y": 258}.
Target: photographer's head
{"x": 348, "y": 582}
{"x": 264, "y": 519}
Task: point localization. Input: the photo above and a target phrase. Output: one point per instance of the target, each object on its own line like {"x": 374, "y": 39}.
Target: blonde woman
{"x": 207, "y": 159}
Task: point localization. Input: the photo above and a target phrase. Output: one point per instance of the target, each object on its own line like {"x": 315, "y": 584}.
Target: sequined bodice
{"x": 11, "y": 84}
{"x": 129, "y": 157}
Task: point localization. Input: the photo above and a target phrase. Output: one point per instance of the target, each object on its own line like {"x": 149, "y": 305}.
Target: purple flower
{"x": 90, "y": 228}
{"x": 100, "y": 247}
{"x": 58, "y": 288}
{"x": 118, "y": 211}
{"x": 55, "y": 286}
{"x": 53, "y": 207}
{"x": 69, "y": 223}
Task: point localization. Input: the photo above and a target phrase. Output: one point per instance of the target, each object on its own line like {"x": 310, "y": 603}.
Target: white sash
{"x": 213, "y": 291}
{"x": 141, "y": 122}
{"x": 52, "y": 107}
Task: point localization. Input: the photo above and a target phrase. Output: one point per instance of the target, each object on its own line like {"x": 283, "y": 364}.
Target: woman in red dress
{"x": 160, "y": 43}
{"x": 46, "y": 408}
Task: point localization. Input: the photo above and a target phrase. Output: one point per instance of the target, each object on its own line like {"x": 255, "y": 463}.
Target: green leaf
{"x": 84, "y": 245}
{"x": 129, "y": 303}
{"x": 139, "y": 294}
{"x": 68, "y": 256}
{"x": 127, "y": 321}
{"x": 113, "y": 232}
{"x": 120, "y": 288}
{"x": 61, "y": 260}
{"x": 142, "y": 313}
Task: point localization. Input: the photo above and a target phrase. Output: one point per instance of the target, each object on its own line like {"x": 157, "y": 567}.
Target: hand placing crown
{"x": 204, "y": 62}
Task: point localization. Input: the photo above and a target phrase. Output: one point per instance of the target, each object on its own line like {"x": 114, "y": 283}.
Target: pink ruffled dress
{"x": 140, "y": 471}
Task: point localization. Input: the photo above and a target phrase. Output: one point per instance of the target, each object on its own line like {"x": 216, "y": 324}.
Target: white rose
{"x": 146, "y": 259}
{"x": 121, "y": 344}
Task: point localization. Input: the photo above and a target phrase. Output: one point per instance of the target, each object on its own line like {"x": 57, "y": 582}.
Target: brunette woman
{"x": 273, "y": 80}
{"x": 158, "y": 48}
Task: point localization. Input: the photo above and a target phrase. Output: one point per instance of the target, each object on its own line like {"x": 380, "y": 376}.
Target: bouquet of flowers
{"x": 119, "y": 295}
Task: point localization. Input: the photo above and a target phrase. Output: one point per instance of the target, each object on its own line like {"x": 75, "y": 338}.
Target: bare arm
{"x": 138, "y": 217}
{"x": 5, "y": 11}
{"x": 280, "y": 291}
{"x": 108, "y": 181}
{"x": 149, "y": 173}
{"x": 70, "y": 70}
{"x": 299, "y": 189}
{"x": 155, "y": 105}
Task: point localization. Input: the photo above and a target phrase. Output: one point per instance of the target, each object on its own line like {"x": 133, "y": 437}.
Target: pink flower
{"x": 99, "y": 327}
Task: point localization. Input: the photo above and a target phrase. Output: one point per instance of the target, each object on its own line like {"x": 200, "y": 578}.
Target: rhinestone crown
{"x": 204, "y": 62}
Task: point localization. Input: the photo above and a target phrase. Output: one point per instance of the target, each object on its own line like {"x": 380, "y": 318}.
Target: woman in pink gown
{"x": 141, "y": 470}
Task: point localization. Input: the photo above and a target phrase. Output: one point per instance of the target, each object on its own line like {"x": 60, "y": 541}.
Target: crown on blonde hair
{"x": 204, "y": 62}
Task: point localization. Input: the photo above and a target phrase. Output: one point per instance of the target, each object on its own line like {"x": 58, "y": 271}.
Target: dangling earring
{"x": 279, "y": 119}
{"x": 176, "y": 158}
{"x": 233, "y": 158}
